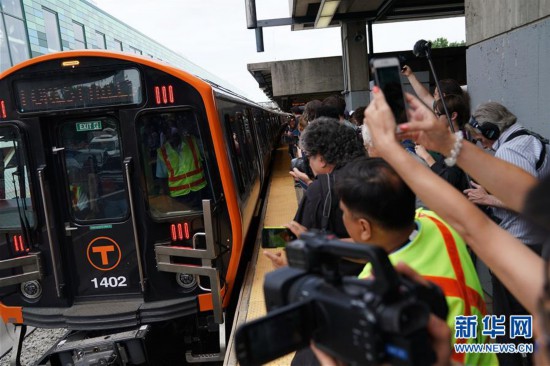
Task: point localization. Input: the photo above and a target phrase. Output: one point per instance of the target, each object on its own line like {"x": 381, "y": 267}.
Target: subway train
{"x": 126, "y": 191}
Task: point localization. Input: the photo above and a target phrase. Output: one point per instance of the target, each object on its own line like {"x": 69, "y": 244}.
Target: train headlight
{"x": 31, "y": 289}
{"x": 186, "y": 281}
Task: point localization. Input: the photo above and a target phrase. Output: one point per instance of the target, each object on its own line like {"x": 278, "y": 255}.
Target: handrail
{"x": 48, "y": 228}
{"x": 127, "y": 163}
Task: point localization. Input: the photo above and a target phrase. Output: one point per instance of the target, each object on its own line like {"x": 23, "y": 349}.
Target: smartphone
{"x": 280, "y": 332}
{"x": 276, "y": 236}
{"x": 387, "y": 75}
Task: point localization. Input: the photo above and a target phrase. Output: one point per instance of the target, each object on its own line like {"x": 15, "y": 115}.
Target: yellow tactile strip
{"x": 281, "y": 207}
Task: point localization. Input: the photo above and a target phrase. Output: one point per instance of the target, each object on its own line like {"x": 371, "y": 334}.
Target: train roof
{"x": 200, "y": 83}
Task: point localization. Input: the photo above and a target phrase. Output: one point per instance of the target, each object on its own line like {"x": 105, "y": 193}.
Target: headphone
{"x": 488, "y": 130}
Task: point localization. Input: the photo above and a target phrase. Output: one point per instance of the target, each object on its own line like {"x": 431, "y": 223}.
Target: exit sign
{"x": 88, "y": 126}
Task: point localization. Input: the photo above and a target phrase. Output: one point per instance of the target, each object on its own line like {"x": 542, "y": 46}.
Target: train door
{"x": 100, "y": 246}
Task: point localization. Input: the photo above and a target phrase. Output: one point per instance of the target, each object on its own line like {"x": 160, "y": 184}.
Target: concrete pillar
{"x": 355, "y": 64}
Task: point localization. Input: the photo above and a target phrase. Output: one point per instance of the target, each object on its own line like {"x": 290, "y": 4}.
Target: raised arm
{"x": 505, "y": 181}
{"x": 420, "y": 90}
{"x": 504, "y": 255}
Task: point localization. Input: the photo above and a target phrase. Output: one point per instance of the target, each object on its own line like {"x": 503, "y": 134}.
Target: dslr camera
{"x": 361, "y": 322}
{"x": 299, "y": 163}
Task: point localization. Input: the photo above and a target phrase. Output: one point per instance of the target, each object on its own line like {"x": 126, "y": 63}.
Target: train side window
{"x": 15, "y": 194}
{"x": 236, "y": 153}
{"x": 243, "y": 124}
{"x": 93, "y": 163}
{"x": 172, "y": 157}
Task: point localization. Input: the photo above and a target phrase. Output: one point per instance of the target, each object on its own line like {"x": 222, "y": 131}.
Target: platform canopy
{"x": 314, "y": 14}
{"x": 305, "y": 12}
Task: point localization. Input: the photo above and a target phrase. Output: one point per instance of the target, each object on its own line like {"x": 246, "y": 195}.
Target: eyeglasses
{"x": 438, "y": 113}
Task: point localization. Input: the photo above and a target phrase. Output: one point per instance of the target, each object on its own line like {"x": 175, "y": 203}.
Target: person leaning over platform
{"x": 328, "y": 145}
{"x": 379, "y": 209}
{"x": 508, "y": 258}
{"x": 517, "y": 267}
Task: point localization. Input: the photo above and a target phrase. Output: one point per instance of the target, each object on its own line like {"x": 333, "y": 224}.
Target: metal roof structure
{"x": 304, "y": 14}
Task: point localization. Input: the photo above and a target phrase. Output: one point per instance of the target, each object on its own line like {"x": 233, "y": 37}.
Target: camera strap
{"x": 327, "y": 204}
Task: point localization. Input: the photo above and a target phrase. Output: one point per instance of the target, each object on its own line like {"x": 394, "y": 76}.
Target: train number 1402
{"x": 119, "y": 281}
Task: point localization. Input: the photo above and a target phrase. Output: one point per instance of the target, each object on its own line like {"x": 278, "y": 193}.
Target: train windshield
{"x": 93, "y": 162}
{"x": 173, "y": 163}
{"x": 15, "y": 196}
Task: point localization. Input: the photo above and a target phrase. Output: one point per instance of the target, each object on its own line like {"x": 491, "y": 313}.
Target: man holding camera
{"x": 379, "y": 209}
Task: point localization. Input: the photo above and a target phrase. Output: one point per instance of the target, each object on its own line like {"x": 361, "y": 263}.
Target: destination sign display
{"x": 77, "y": 91}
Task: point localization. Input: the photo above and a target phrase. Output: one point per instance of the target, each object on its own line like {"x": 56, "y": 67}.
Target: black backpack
{"x": 543, "y": 141}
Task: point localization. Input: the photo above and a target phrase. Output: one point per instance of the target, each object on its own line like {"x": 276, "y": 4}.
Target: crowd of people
{"x": 436, "y": 193}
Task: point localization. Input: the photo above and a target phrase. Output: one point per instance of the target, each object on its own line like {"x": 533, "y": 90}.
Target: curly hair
{"x": 338, "y": 144}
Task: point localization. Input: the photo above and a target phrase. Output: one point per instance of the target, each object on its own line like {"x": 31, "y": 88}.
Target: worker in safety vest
{"x": 379, "y": 209}
{"x": 179, "y": 160}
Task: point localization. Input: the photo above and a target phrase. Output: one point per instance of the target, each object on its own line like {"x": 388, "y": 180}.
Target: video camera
{"x": 361, "y": 322}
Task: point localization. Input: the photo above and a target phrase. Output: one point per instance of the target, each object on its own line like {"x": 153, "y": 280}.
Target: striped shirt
{"x": 524, "y": 152}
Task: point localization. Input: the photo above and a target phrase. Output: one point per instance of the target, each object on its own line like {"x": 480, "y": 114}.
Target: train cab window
{"x": 15, "y": 196}
{"x": 93, "y": 163}
{"x": 172, "y": 157}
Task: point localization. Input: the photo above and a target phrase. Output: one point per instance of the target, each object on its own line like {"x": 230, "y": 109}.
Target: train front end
{"x": 114, "y": 210}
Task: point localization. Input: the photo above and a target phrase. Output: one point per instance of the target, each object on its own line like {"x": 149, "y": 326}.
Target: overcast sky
{"x": 213, "y": 34}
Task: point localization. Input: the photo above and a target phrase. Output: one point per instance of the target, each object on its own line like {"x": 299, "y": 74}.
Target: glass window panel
{"x": 79, "y": 39}
{"x": 4, "y": 54}
{"x": 172, "y": 157}
{"x": 100, "y": 40}
{"x": 118, "y": 45}
{"x": 96, "y": 188}
{"x": 15, "y": 195}
{"x": 52, "y": 30}
{"x": 12, "y": 7}
{"x": 17, "y": 39}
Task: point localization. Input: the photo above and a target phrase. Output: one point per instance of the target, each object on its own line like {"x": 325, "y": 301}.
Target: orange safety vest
{"x": 185, "y": 172}
{"x": 439, "y": 254}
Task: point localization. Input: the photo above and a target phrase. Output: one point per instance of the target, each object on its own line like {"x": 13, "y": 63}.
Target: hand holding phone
{"x": 276, "y": 237}
{"x": 387, "y": 75}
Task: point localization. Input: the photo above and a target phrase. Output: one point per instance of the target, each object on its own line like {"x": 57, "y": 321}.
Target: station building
{"x": 31, "y": 28}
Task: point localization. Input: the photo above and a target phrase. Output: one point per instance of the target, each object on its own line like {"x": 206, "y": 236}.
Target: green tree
{"x": 442, "y": 42}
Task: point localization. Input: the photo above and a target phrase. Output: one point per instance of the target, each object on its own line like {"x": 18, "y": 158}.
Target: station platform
{"x": 280, "y": 206}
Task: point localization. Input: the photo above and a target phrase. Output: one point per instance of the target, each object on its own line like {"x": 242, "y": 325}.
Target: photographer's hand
{"x": 298, "y": 174}
{"x": 406, "y": 70}
{"x": 426, "y": 129}
{"x": 419, "y": 88}
{"x": 277, "y": 258}
{"x": 381, "y": 123}
{"x": 324, "y": 358}
{"x": 296, "y": 228}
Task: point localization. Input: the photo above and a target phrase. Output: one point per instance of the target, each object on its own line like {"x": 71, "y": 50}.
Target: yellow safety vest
{"x": 185, "y": 172}
{"x": 75, "y": 194}
{"x": 439, "y": 254}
